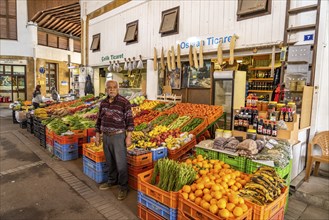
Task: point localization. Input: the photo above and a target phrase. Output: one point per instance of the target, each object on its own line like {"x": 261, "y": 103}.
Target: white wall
{"x": 57, "y": 54}
{"x": 23, "y": 46}
{"x": 197, "y": 19}
{"x": 88, "y": 6}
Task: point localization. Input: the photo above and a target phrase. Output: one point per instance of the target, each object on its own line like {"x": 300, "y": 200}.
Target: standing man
{"x": 116, "y": 123}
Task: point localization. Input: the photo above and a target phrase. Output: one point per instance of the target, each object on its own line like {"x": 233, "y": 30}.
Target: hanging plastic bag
{"x": 125, "y": 67}
{"x": 134, "y": 63}
{"x": 140, "y": 63}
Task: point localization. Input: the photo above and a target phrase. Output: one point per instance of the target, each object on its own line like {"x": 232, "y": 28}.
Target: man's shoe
{"x": 106, "y": 186}
{"x": 122, "y": 194}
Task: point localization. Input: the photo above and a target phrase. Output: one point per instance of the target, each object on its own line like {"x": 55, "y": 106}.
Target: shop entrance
{"x": 51, "y": 76}
{"x": 12, "y": 83}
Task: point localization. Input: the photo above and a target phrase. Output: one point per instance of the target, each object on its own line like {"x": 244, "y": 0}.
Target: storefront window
{"x": 51, "y": 76}
{"x": 12, "y": 82}
{"x": 7, "y": 69}
{"x": 199, "y": 78}
{"x": 19, "y": 70}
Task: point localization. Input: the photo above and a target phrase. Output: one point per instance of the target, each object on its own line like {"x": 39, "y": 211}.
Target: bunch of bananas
{"x": 40, "y": 113}
{"x": 94, "y": 147}
{"x": 158, "y": 130}
{"x": 148, "y": 105}
{"x": 265, "y": 186}
{"x": 146, "y": 144}
{"x": 137, "y": 136}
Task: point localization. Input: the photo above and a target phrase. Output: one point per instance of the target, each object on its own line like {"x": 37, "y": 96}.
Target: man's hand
{"x": 97, "y": 139}
{"x": 128, "y": 139}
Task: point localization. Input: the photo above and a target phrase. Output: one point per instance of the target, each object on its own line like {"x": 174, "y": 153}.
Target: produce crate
{"x": 36, "y": 134}
{"x": 65, "y": 139}
{"x": 268, "y": 211}
{"x": 235, "y": 161}
{"x": 80, "y": 133}
{"x": 50, "y": 148}
{"x": 97, "y": 176}
{"x": 66, "y": 147}
{"x": 49, "y": 141}
{"x": 97, "y": 166}
{"x": 153, "y": 205}
{"x": 205, "y": 152}
{"x": 279, "y": 215}
{"x": 175, "y": 154}
{"x": 93, "y": 155}
{"x": 134, "y": 171}
{"x": 42, "y": 128}
{"x": 23, "y": 124}
{"x": 91, "y": 132}
{"x": 146, "y": 214}
{"x": 132, "y": 182}
{"x": 251, "y": 166}
{"x": 214, "y": 117}
{"x": 43, "y": 142}
{"x": 82, "y": 141}
{"x": 189, "y": 210}
{"x": 139, "y": 160}
{"x": 169, "y": 199}
{"x": 70, "y": 154}
{"x": 158, "y": 153}
{"x": 49, "y": 133}
{"x": 203, "y": 125}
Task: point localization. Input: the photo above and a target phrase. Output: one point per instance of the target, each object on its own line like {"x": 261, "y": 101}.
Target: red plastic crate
{"x": 50, "y": 141}
{"x": 91, "y": 132}
{"x": 65, "y": 139}
{"x": 49, "y": 133}
{"x": 135, "y": 170}
{"x": 132, "y": 182}
{"x": 80, "y": 133}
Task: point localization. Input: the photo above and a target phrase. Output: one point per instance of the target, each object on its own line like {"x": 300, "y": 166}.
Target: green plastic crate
{"x": 208, "y": 153}
{"x": 251, "y": 166}
{"x": 236, "y": 162}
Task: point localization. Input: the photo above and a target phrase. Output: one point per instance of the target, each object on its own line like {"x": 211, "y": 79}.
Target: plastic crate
{"x": 208, "y": 153}
{"x": 97, "y": 176}
{"x": 80, "y": 133}
{"x": 251, "y": 166}
{"x": 132, "y": 182}
{"x": 158, "y": 153}
{"x": 135, "y": 170}
{"x": 49, "y": 133}
{"x": 82, "y": 141}
{"x": 214, "y": 117}
{"x": 189, "y": 210}
{"x": 268, "y": 211}
{"x": 66, "y": 147}
{"x": 43, "y": 142}
{"x": 97, "y": 166}
{"x": 153, "y": 205}
{"x": 236, "y": 162}
{"x": 65, "y": 139}
{"x": 49, "y": 141}
{"x": 146, "y": 214}
{"x": 175, "y": 154}
{"x": 279, "y": 215}
{"x": 91, "y": 132}
{"x": 140, "y": 160}
{"x": 169, "y": 199}
{"x": 94, "y": 156}
{"x": 66, "y": 155}
{"x": 50, "y": 148}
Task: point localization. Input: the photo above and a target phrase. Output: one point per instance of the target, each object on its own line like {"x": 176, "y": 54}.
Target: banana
{"x": 256, "y": 186}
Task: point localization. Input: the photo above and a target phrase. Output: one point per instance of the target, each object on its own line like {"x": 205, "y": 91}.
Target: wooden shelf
{"x": 264, "y": 91}
{"x": 261, "y": 79}
{"x": 261, "y": 68}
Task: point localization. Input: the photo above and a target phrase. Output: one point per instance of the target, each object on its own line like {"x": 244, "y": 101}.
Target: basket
{"x": 146, "y": 214}
{"x": 134, "y": 171}
{"x": 208, "y": 153}
{"x": 175, "y": 154}
{"x": 189, "y": 210}
{"x": 158, "y": 153}
{"x": 251, "y": 166}
{"x": 162, "y": 210}
{"x": 94, "y": 156}
{"x": 132, "y": 182}
{"x": 268, "y": 211}
{"x": 169, "y": 199}
{"x": 97, "y": 166}
{"x": 97, "y": 176}
{"x": 65, "y": 139}
{"x": 140, "y": 160}
{"x": 235, "y": 161}
{"x": 80, "y": 133}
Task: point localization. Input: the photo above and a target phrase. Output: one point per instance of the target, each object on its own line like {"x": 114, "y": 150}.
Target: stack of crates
{"x": 153, "y": 202}
{"x": 36, "y": 127}
{"x": 66, "y": 147}
{"x": 29, "y": 124}
{"x": 42, "y": 130}
{"x": 94, "y": 165}
{"x": 90, "y": 134}
{"x": 138, "y": 164}
{"x": 50, "y": 140}
{"x": 82, "y": 139}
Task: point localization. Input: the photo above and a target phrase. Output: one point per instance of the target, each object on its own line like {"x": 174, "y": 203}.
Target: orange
{"x": 200, "y": 186}
{"x": 231, "y": 216}
{"x": 188, "y": 161}
{"x": 212, "y": 193}
{"x": 203, "y": 172}
{"x": 221, "y": 203}
{"x": 217, "y": 167}
{"x": 230, "y": 206}
{"x": 187, "y": 189}
{"x": 234, "y": 188}
{"x": 231, "y": 182}
{"x": 224, "y": 213}
{"x": 241, "y": 200}
{"x": 194, "y": 161}
{"x": 244, "y": 207}
{"x": 206, "y": 205}
{"x": 238, "y": 211}
{"x": 197, "y": 200}
{"x": 185, "y": 195}
{"x": 197, "y": 176}
{"x": 215, "y": 187}
{"x": 237, "y": 184}
{"x": 207, "y": 197}
{"x": 218, "y": 195}
{"x": 213, "y": 201}
{"x": 193, "y": 187}
{"x": 213, "y": 209}
{"x": 212, "y": 161}
{"x": 206, "y": 191}
{"x": 202, "y": 201}
{"x": 191, "y": 197}
{"x": 199, "y": 164}
{"x": 198, "y": 193}
{"x": 237, "y": 173}
{"x": 243, "y": 182}
{"x": 226, "y": 166}
{"x": 233, "y": 199}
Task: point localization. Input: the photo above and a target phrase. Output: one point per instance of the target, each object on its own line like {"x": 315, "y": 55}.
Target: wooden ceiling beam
{"x": 50, "y": 21}
{"x": 57, "y": 25}
{"x": 77, "y": 27}
{"x": 67, "y": 27}
{"x": 60, "y": 28}
{"x": 60, "y": 8}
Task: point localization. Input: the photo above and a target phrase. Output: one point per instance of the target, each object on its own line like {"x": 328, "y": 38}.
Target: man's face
{"x": 112, "y": 89}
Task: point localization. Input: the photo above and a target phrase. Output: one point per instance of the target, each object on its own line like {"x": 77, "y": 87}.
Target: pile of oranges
{"x": 216, "y": 188}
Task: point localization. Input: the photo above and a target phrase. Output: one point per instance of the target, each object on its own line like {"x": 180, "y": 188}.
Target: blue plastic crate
{"x": 66, "y": 155}
{"x": 164, "y": 211}
{"x": 98, "y": 166}
{"x": 97, "y": 176}
{"x": 159, "y": 153}
{"x": 66, "y": 147}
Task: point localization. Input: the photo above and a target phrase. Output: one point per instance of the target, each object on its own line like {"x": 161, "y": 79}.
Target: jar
{"x": 264, "y": 105}
{"x": 292, "y": 86}
{"x": 279, "y": 106}
{"x": 259, "y": 106}
{"x": 292, "y": 105}
{"x": 227, "y": 134}
{"x": 219, "y": 133}
{"x": 251, "y": 134}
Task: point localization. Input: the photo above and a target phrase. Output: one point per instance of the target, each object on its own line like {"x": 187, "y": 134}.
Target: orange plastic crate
{"x": 94, "y": 156}
{"x": 268, "y": 211}
{"x": 279, "y": 215}
{"x": 49, "y": 141}
{"x": 135, "y": 170}
{"x": 49, "y": 133}
{"x": 80, "y": 133}
{"x": 177, "y": 153}
{"x": 146, "y": 214}
{"x": 189, "y": 210}
{"x": 65, "y": 139}
{"x": 132, "y": 182}
{"x": 140, "y": 160}
{"x": 169, "y": 199}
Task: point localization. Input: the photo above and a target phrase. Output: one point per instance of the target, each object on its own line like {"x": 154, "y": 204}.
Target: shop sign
{"x": 308, "y": 37}
{"x": 211, "y": 41}
{"x": 112, "y": 57}
{"x": 13, "y": 62}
